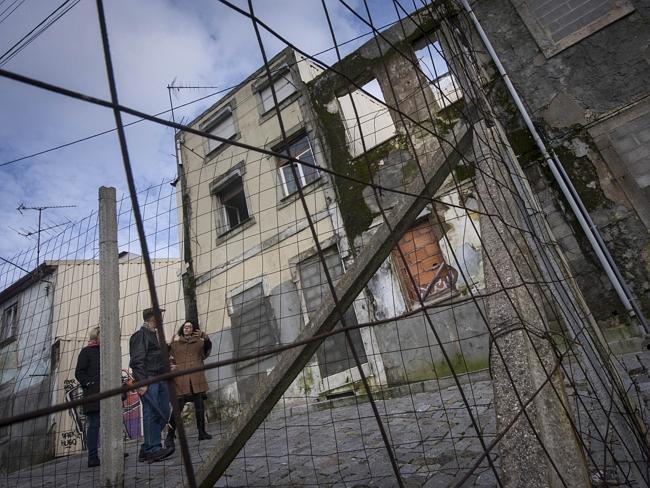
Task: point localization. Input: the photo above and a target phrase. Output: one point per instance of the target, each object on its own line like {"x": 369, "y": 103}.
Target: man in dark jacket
{"x": 87, "y": 374}
{"x": 147, "y": 362}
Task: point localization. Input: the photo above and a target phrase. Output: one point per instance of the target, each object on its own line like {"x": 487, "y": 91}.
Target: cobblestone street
{"x": 431, "y": 431}
{"x": 338, "y": 443}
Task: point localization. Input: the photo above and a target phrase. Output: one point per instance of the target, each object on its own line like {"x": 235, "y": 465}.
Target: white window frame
{"x": 217, "y": 187}
{"x": 9, "y": 330}
{"x": 225, "y": 220}
{"x": 299, "y": 169}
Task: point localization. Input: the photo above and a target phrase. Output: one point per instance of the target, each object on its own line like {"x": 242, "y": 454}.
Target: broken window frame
{"x": 9, "y": 322}
{"x": 435, "y": 79}
{"x": 374, "y": 133}
{"x": 304, "y": 178}
{"x": 222, "y": 186}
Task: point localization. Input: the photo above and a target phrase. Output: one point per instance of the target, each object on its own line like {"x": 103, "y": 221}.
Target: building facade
{"x": 47, "y": 316}
{"x": 257, "y": 278}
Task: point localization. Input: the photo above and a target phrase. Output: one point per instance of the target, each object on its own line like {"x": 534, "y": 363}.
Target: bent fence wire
{"x": 385, "y": 301}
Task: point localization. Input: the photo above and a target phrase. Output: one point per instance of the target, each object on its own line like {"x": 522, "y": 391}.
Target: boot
{"x": 200, "y": 425}
{"x": 169, "y": 440}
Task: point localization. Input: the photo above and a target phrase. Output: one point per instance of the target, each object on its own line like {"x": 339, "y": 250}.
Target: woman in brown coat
{"x": 188, "y": 350}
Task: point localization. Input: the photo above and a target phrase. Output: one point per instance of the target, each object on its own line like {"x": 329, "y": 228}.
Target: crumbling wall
{"x": 408, "y": 348}
{"x": 570, "y": 95}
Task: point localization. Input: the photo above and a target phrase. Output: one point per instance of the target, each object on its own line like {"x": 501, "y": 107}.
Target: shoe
{"x": 204, "y": 436}
{"x": 142, "y": 457}
{"x": 93, "y": 462}
{"x": 160, "y": 454}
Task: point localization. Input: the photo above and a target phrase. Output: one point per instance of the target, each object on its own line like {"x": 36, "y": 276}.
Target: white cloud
{"x": 152, "y": 44}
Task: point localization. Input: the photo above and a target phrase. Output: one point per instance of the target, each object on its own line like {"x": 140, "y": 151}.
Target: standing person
{"x": 87, "y": 374}
{"x": 188, "y": 350}
{"x": 147, "y": 362}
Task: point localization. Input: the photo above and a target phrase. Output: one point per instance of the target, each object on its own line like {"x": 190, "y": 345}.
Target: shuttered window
{"x": 334, "y": 354}
{"x": 283, "y": 89}
{"x": 253, "y": 326}
{"x": 225, "y": 129}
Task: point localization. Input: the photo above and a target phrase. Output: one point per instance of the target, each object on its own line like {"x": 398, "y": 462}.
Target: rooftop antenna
{"x": 22, "y": 207}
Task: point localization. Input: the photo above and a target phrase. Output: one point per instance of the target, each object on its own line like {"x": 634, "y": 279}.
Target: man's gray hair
{"x": 94, "y": 334}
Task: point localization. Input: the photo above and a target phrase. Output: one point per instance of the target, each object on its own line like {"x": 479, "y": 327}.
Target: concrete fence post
{"x": 541, "y": 450}
{"x": 111, "y": 426}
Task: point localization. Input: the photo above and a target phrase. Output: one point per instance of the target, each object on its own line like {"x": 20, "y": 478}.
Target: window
{"x": 334, "y": 355}
{"x": 221, "y": 125}
{"x": 445, "y": 87}
{"x": 253, "y": 322}
{"x": 231, "y": 201}
{"x": 9, "y": 322}
{"x": 424, "y": 261}
{"x": 558, "y": 24}
{"x": 374, "y": 118}
{"x": 300, "y": 149}
{"x": 284, "y": 88}
{"x": 253, "y": 329}
{"x": 6, "y": 406}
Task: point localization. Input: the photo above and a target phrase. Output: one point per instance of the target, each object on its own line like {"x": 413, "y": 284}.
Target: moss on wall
{"x": 460, "y": 365}
{"x": 354, "y": 210}
{"x": 306, "y": 381}
{"x": 584, "y": 177}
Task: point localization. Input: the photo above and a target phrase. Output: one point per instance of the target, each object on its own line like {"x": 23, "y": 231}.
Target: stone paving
{"x": 431, "y": 433}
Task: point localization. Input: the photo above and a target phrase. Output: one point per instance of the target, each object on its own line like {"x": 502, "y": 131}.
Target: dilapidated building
{"x": 256, "y": 276}
{"x": 253, "y": 278}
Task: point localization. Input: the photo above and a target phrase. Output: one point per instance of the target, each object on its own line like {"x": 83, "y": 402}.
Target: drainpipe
{"x": 567, "y": 188}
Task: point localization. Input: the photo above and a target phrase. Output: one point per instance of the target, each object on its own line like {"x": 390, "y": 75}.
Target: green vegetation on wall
{"x": 354, "y": 210}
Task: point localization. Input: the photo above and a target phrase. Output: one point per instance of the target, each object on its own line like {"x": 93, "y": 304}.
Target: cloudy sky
{"x": 154, "y": 43}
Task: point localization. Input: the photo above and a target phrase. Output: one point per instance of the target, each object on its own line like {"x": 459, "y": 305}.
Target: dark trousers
{"x": 92, "y": 434}
{"x": 199, "y": 411}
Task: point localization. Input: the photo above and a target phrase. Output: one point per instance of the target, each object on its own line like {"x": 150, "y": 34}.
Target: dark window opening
{"x": 234, "y": 210}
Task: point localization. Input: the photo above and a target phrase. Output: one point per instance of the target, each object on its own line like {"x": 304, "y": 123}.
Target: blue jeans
{"x": 92, "y": 434}
{"x": 155, "y": 415}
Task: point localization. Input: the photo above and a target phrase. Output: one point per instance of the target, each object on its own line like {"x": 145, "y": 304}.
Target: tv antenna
{"x": 22, "y": 207}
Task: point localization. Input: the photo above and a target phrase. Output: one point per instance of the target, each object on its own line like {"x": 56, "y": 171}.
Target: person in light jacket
{"x": 188, "y": 350}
